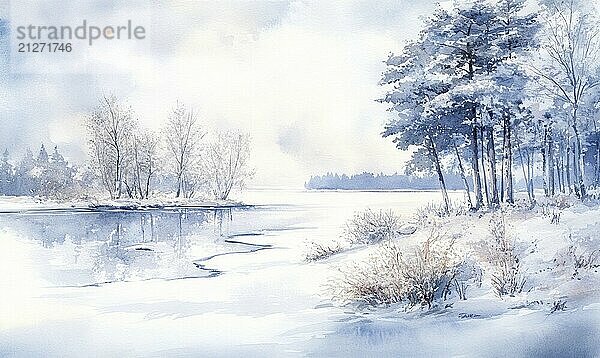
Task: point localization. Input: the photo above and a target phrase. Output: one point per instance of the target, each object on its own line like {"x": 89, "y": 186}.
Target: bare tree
{"x": 225, "y": 165}
{"x": 572, "y": 44}
{"x": 183, "y": 137}
{"x": 144, "y": 163}
{"x": 109, "y": 128}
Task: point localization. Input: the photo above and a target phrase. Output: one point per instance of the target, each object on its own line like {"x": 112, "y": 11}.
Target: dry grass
{"x": 429, "y": 272}
{"x": 319, "y": 251}
{"x": 500, "y": 252}
{"x": 581, "y": 255}
{"x": 368, "y": 227}
{"x": 431, "y": 212}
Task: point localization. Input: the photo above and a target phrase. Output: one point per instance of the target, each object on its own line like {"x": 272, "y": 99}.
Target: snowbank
{"x": 12, "y": 204}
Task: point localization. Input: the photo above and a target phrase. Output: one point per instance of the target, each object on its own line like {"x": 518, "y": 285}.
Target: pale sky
{"x": 300, "y": 77}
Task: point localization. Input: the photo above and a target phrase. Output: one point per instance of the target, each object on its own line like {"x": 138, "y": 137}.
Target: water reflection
{"x": 94, "y": 247}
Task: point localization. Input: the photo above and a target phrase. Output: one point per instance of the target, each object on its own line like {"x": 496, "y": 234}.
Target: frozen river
{"x": 84, "y": 247}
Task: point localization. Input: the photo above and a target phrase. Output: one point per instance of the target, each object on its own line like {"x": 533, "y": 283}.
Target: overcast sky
{"x": 300, "y": 77}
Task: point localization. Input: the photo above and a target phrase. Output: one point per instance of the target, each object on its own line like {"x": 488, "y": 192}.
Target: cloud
{"x": 300, "y": 77}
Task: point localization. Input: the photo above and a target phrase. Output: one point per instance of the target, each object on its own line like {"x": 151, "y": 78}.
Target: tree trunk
{"x": 508, "y": 178}
{"x": 463, "y": 176}
{"x": 550, "y": 162}
{"x": 502, "y": 162}
{"x": 597, "y": 169}
{"x": 147, "y": 193}
{"x": 118, "y": 175}
{"x": 575, "y": 172}
{"x": 492, "y": 160}
{"x": 438, "y": 168}
{"x": 525, "y": 172}
{"x": 559, "y": 178}
{"x": 483, "y": 168}
{"x": 178, "y": 193}
{"x": 546, "y": 173}
{"x": 578, "y": 160}
{"x": 475, "y": 164}
{"x": 560, "y": 166}
{"x": 530, "y": 167}
{"x": 568, "y": 167}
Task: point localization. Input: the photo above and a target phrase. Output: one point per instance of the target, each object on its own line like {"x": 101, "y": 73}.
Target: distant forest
{"x": 370, "y": 181}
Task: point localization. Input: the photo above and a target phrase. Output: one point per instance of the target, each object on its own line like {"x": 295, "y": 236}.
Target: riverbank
{"x": 21, "y": 204}
{"x": 554, "y": 309}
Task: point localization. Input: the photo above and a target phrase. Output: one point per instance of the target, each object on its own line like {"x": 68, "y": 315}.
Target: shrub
{"x": 428, "y": 213}
{"x": 469, "y": 273}
{"x": 581, "y": 255}
{"x": 559, "y": 201}
{"x": 367, "y": 283}
{"x": 421, "y": 277}
{"x": 428, "y": 273}
{"x": 558, "y": 305}
{"x": 551, "y": 213}
{"x": 500, "y": 252}
{"x": 320, "y": 251}
{"x": 368, "y": 227}
{"x": 585, "y": 260}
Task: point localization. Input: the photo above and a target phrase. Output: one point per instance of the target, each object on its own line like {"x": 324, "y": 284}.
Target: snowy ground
{"x": 12, "y": 204}
{"x": 169, "y": 285}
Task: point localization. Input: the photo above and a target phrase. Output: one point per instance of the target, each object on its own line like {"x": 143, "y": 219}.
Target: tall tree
{"x": 144, "y": 163}
{"x": 466, "y": 85}
{"x": 570, "y": 68}
{"x": 225, "y": 166}
{"x": 183, "y": 136}
{"x": 6, "y": 175}
{"x": 417, "y": 123}
{"x": 110, "y": 126}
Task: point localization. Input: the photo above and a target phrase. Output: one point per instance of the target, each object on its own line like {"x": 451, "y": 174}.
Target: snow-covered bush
{"x": 519, "y": 205}
{"x": 368, "y": 227}
{"x": 419, "y": 277}
{"x": 559, "y": 201}
{"x": 550, "y": 212}
{"x": 428, "y": 213}
{"x": 316, "y": 251}
{"x": 558, "y": 305}
{"x": 582, "y": 254}
{"x": 368, "y": 283}
{"x": 424, "y": 213}
{"x": 428, "y": 273}
{"x": 584, "y": 259}
{"x": 501, "y": 254}
{"x": 469, "y": 273}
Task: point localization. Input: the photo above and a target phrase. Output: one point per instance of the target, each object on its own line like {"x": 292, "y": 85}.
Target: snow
{"x": 12, "y": 204}
{"x": 269, "y": 302}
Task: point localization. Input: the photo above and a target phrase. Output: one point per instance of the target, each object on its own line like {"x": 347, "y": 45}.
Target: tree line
{"x": 126, "y": 157}
{"x": 370, "y": 181}
{"x": 498, "y": 90}
{"x": 47, "y": 175}
{"x": 127, "y": 160}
